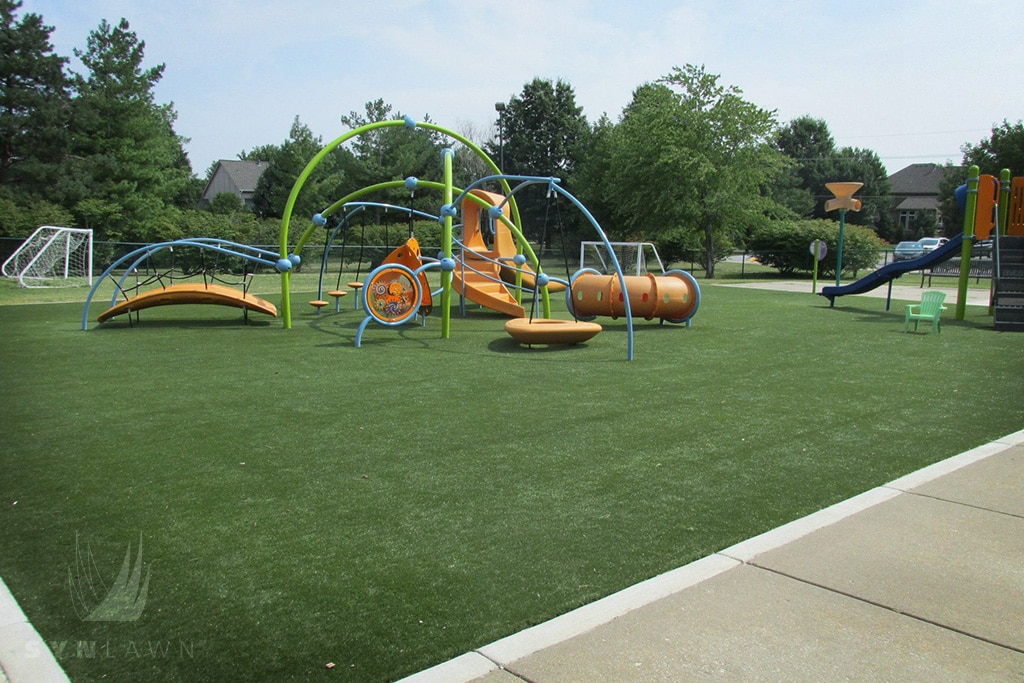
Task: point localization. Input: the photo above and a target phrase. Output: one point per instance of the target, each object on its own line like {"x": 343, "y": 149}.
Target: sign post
{"x": 818, "y": 251}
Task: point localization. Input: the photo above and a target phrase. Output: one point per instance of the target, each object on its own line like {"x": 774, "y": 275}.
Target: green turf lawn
{"x": 301, "y": 501}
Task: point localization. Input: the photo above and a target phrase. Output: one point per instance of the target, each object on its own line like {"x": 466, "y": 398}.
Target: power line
{"x": 907, "y": 135}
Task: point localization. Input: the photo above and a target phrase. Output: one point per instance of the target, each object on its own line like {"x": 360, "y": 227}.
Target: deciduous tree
{"x": 691, "y": 162}
{"x": 1003, "y": 149}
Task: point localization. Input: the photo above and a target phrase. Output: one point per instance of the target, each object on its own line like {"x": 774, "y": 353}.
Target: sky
{"x": 912, "y": 80}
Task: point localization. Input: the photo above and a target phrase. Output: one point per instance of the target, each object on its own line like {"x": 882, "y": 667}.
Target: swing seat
{"x": 550, "y": 331}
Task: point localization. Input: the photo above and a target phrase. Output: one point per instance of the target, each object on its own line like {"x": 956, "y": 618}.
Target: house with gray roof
{"x": 233, "y": 177}
{"x": 915, "y": 189}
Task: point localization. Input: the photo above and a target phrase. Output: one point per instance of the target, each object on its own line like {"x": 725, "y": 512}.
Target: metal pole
{"x": 500, "y": 108}
{"x": 839, "y": 248}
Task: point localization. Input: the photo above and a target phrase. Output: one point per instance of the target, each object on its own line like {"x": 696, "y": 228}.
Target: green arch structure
{"x": 446, "y": 188}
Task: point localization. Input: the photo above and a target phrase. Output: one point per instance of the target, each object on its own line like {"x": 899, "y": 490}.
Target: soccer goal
{"x": 635, "y": 258}
{"x": 52, "y": 257}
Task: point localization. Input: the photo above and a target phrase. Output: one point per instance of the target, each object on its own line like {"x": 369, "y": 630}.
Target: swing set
{"x": 344, "y": 227}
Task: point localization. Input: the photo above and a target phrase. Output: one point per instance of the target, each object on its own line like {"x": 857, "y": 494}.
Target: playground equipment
{"x": 52, "y": 257}
{"x": 1007, "y": 302}
{"x": 889, "y": 272}
{"x": 354, "y": 209}
{"x": 214, "y": 289}
{"x": 190, "y": 293}
{"x": 993, "y": 209}
{"x": 550, "y": 331}
{"x": 844, "y": 201}
{"x": 452, "y": 202}
{"x": 1015, "y": 214}
{"x": 673, "y": 297}
{"x": 396, "y": 292}
{"x": 478, "y": 273}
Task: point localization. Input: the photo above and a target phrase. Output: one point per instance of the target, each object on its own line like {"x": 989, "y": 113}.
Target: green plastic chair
{"x": 930, "y": 309}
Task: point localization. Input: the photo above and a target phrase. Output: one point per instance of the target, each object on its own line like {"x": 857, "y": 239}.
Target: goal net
{"x": 52, "y": 257}
{"x": 635, "y": 258}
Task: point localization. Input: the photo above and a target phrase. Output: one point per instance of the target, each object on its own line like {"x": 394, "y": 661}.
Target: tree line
{"x": 689, "y": 164}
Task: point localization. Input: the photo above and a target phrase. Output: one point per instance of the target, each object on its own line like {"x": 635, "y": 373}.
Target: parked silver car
{"x": 905, "y": 251}
{"x": 931, "y": 243}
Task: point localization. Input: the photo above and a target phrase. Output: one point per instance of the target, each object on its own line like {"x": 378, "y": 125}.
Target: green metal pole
{"x": 446, "y": 248}
{"x": 839, "y": 249}
{"x": 965, "y": 250}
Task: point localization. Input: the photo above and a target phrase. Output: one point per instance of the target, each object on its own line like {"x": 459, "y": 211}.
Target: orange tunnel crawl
{"x": 673, "y": 297}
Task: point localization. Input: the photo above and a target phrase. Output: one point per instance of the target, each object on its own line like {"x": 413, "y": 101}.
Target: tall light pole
{"x": 500, "y": 108}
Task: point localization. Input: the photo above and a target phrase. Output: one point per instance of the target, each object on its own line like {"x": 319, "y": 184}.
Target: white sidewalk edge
{"x": 24, "y": 656}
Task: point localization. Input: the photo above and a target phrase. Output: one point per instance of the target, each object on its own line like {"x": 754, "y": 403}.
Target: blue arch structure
{"x": 263, "y": 257}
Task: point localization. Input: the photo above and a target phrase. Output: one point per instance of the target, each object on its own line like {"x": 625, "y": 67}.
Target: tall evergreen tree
{"x": 542, "y": 132}
{"x": 126, "y": 164}
{"x": 33, "y": 102}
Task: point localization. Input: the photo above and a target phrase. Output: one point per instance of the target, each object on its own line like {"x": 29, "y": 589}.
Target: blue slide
{"x": 891, "y": 271}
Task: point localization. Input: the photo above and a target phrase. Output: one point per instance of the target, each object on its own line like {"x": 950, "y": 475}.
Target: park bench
{"x": 929, "y": 309}
{"x": 979, "y": 268}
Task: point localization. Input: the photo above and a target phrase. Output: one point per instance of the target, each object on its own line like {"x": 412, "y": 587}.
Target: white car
{"x": 931, "y": 243}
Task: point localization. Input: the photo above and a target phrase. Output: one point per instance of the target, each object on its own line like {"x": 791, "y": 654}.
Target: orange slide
{"x": 478, "y": 278}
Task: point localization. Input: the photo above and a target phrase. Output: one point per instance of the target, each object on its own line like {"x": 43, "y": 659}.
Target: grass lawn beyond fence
{"x": 302, "y": 502}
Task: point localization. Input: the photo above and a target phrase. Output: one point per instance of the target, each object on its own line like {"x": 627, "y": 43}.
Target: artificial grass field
{"x": 303, "y": 502}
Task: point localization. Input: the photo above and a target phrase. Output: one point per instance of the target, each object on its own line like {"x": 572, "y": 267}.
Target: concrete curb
{"x": 24, "y": 655}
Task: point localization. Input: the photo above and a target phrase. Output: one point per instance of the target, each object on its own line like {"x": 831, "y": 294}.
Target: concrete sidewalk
{"x": 921, "y": 579}
{"x": 900, "y": 293}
